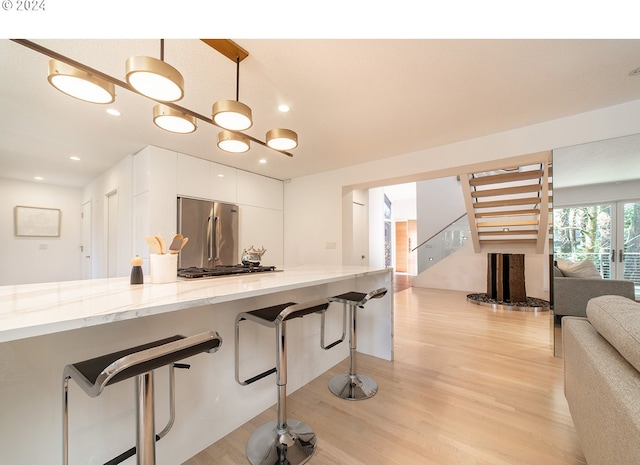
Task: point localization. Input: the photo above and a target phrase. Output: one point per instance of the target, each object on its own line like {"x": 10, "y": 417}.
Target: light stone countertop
{"x": 29, "y": 310}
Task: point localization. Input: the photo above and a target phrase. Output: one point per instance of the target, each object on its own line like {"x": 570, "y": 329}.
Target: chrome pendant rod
{"x": 57, "y": 56}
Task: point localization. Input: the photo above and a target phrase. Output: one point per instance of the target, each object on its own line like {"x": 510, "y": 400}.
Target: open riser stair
{"x": 510, "y": 206}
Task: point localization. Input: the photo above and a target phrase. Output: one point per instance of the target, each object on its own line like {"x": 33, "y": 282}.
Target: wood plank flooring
{"x": 469, "y": 385}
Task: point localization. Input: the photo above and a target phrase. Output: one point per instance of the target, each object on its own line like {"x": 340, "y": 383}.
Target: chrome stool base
{"x": 292, "y": 446}
{"x": 353, "y": 387}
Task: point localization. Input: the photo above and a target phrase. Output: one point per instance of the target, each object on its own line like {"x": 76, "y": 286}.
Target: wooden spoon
{"x": 163, "y": 244}
{"x": 176, "y": 243}
{"x": 184, "y": 242}
{"x": 153, "y": 244}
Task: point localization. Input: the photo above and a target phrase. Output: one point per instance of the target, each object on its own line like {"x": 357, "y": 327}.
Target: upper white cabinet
{"x": 224, "y": 183}
{"x": 192, "y": 177}
{"x": 260, "y": 191}
{"x": 203, "y": 179}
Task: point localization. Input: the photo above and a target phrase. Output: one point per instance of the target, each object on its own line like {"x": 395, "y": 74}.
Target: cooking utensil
{"x": 176, "y": 243}
{"x": 184, "y": 242}
{"x": 163, "y": 244}
{"x": 154, "y": 245}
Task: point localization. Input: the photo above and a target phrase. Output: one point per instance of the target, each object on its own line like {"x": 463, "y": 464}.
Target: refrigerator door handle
{"x": 209, "y": 239}
{"x": 218, "y": 232}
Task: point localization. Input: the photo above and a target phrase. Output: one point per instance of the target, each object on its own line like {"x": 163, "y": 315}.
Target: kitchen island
{"x": 43, "y": 327}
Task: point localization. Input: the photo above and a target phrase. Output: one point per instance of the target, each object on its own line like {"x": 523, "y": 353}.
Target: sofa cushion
{"x": 617, "y": 319}
{"x": 583, "y": 269}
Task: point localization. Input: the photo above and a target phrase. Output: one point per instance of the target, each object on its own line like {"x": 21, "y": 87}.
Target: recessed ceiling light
{"x": 221, "y": 175}
{"x": 635, "y": 72}
{"x": 283, "y": 108}
{"x": 74, "y": 158}
{"x": 38, "y": 178}
{"x": 263, "y": 161}
{"x": 113, "y": 112}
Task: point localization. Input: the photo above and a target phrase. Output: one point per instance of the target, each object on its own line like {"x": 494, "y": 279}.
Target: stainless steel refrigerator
{"x": 212, "y": 229}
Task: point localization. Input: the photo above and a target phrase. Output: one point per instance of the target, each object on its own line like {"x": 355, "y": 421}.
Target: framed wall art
{"x": 37, "y": 222}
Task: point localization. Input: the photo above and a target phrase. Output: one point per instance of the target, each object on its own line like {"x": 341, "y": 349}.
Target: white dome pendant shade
{"x": 80, "y": 84}
{"x": 282, "y": 139}
{"x": 234, "y": 143}
{"x": 173, "y": 120}
{"x": 155, "y": 79}
{"x": 231, "y": 114}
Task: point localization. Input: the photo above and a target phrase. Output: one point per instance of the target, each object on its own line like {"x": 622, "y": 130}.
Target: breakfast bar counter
{"x": 45, "y": 326}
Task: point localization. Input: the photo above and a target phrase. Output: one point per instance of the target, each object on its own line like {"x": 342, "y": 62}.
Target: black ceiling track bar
{"x": 57, "y": 56}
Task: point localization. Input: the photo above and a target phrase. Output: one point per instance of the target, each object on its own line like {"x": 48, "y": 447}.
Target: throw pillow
{"x": 583, "y": 269}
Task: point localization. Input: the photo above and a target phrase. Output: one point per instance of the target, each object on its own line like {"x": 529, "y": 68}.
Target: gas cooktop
{"x": 222, "y": 270}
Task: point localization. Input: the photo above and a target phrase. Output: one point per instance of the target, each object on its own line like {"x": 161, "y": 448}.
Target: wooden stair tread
{"x": 505, "y": 177}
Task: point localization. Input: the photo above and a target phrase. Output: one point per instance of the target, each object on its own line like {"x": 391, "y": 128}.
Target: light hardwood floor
{"x": 469, "y": 385}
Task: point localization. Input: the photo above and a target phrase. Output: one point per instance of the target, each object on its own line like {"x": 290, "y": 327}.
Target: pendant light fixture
{"x": 173, "y": 120}
{"x": 92, "y": 85}
{"x": 80, "y": 84}
{"x": 282, "y": 139}
{"x": 231, "y": 142}
{"x": 155, "y": 78}
{"x": 233, "y": 114}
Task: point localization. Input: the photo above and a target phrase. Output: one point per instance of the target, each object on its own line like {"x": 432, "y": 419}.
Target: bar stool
{"x": 95, "y": 374}
{"x": 353, "y": 386}
{"x": 285, "y": 440}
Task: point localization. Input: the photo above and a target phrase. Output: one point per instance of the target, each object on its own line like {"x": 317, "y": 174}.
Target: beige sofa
{"x": 602, "y": 379}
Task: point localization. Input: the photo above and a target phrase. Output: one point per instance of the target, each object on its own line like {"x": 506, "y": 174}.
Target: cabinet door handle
{"x": 613, "y": 256}
{"x": 621, "y": 256}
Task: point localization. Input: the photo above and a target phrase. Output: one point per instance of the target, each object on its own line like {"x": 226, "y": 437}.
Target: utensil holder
{"x": 163, "y": 268}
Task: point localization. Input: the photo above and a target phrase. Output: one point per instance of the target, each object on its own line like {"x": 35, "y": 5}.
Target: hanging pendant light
{"x": 154, "y": 78}
{"x": 282, "y": 139}
{"x": 173, "y": 120}
{"x": 234, "y": 143}
{"x": 233, "y": 114}
{"x": 80, "y": 84}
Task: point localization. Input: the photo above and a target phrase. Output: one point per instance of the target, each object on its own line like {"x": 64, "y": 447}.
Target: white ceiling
{"x": 352, "y": 100}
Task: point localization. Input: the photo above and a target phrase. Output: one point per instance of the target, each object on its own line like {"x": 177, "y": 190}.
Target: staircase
{"x": 510, "y": 206}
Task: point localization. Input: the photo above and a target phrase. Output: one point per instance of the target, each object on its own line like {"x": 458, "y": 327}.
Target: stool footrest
{"x": 333, "y": 344}
{"x": 255, "y": 378}
{"x": 127, "y": 454}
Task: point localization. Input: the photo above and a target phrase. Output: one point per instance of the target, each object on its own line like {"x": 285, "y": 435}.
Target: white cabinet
{"x": 260, "y": 191}
{"x": 192, "y": 177}
{"x": 161, "y": 175}
{"x": 224, "y": 183}
{"x": 202, "y": 179}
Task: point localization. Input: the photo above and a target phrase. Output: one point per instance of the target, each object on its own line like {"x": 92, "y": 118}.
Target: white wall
{"x": 439, "y": 203}
{"x": 313, "y": 203}
{"x": 118, "y": 178}
{"x": 403, "y": 209}
{"x": 25, "y": 260}
{"x": 376, "y": 227}
{"x": 466, "y": 271}
{"x": 596, "y": 193}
